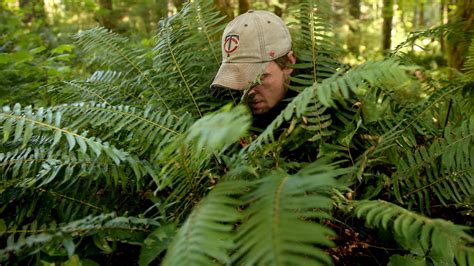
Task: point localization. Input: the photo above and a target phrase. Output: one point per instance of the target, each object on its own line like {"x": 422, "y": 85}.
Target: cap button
{"x": 250, "y": 11}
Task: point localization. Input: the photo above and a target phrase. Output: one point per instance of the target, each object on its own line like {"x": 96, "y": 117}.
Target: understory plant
{"x": 142, "y": 162}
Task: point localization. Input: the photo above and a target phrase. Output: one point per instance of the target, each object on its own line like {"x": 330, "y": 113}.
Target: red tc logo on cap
{"x": 231, "y": 43}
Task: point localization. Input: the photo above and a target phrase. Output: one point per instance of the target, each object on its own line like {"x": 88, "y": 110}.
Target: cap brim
{"x": 238, "y": 76}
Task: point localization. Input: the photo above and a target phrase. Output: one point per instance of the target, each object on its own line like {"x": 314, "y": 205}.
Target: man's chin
{"x": 259, "y": 111}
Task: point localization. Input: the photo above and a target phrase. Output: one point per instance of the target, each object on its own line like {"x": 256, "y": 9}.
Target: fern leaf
{"x": 31, "y": 239}
{"x": 41, "y": 123}
{"x": 180, "y": 67}
{"x": 205, "y": 238}
{"x": 314, "y": 46}
{"x": 189, "y": 157}
{"x": 280, "y": 228}
{"x": 115, "y": 53}
{"x": 438, "y": 239}
{"x": 443, "y": 169}
{"x": 469, "y": 64}
{"x": 146, "y": 130}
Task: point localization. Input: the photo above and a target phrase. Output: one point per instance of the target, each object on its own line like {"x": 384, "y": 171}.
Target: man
{"x": 256, "y": 56}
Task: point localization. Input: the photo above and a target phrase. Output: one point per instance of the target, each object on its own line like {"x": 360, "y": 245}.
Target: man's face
{"x": 271, "y": 90}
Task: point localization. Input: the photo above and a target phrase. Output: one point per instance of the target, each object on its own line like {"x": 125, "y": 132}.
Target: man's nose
{"x": 254, "y": 89}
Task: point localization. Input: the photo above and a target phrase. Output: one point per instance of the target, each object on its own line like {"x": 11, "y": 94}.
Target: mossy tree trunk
{"x": 353, "y": 41}
{"x": 458, "y": 43}
{"x": 225, "y": 8}
{"x": 34, "y": 10}
{"x": 387, "y": 14}
{"x": 106, "y": 14}
{"x": 244, "y": 6}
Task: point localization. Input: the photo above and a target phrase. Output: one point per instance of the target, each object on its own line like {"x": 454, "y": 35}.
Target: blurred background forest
{"x": 37, "y": 36}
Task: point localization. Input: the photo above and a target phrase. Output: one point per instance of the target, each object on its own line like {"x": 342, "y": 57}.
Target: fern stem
{"x": 77, "y": 230}
{"x": 435, "y": 155}
{"x": 71, "y": 199}
{"x": 178, "y": 67}
{"x": 429, "y": 107}
{"x": 132, "y": 115}
{"x": 313, "y": 40}
{"x": 205, "y": 30}
{"x": 88, "y": 91}
{"x": 436, "y": 182}
{"x": 41, "y": 124}
{"x": 276, "y": 220}
{"x": 139, "y": 71}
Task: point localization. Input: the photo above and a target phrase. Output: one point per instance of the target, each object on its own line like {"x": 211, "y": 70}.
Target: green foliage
{"x": 279, "y": 223}
{"x": 141, "y": 154}
{"x": 444, "y": 169}
{"x": 469, "y": 64}
{"x": 58, "y": 239}
{"x": 443, "y": 242}
{"x": 184, "y": 72}
{"x": 205, "y": 238}
{"x": 28, "y": 61}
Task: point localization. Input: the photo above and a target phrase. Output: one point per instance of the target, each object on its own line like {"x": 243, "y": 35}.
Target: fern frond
{"x": 374, "y": 73}
{"x": 444, "y": 169}
{"x": 189, "y": 160}
{"x": 206, "y": 236}
{"x": 184, "y": 72}
{"x": 314, "y": 46}
{"x": 34, "y": 237}
{"x": 469, "y": 63}
{"x": 283, "y": 210}
{"x": 442, "y": 241}
{"x": 46, "y": 122}
{"x": 435, "y": 32}
{"x": 115, "y": 53}
{"x": 143, "y": 130}
{"x": 76, "y": 91}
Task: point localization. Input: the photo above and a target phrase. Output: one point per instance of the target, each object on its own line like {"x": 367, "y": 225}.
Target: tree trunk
{"x": 106, "y": 15}
{"x": 421, "y": 16}
{"x": 443, "y": 10}
{"x": 179, "y": 4}
{"x": 353, "y": 40}
{"x": 244, "y": 6}
{"x": 387, "y": 14}
{"x": 354, "y": 9}
{"x": 225, "y": 9}
{"x": 458, "y": 44}
{"x": 33, "y": 10}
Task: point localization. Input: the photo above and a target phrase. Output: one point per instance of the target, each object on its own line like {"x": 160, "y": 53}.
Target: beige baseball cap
{"x": 249, "y": 43}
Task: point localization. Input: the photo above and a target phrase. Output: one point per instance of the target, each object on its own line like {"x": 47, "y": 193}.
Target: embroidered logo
{"x": 231, "y": 43}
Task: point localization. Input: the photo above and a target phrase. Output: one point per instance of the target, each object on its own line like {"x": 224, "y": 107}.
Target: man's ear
{"x": 292, "y": 58}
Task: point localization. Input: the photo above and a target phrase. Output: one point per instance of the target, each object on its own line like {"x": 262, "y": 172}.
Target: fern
{"x": 280, "y": 227}
{"x": 188, "y": 159}
{"x": 276, "y": 227}
{"x": 443, "y": 169}
{"x": 314, "y": 45}
{"x": 179, "y": 65}
{"x": 33, "y": 237}
{"x": 206, "y": 236}
{"x": 115, "y": 53}
{"x": 441, "y": 241}
{"x": 469, "y": 64}
{"x": 374, "y": 73}
{"x": 144, "y": 131}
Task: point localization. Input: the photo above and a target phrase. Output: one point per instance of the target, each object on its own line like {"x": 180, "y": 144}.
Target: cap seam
{"x": 248, "y": 62}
